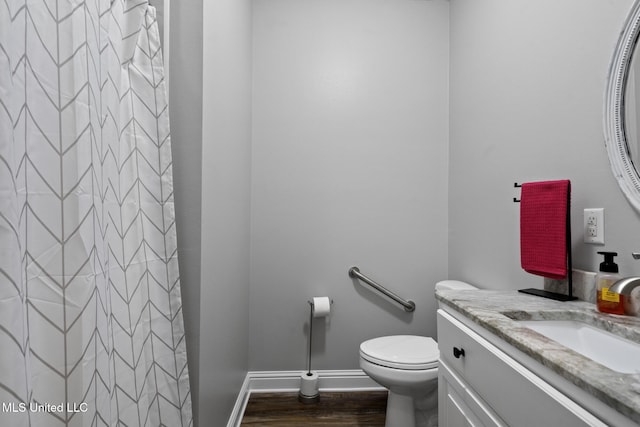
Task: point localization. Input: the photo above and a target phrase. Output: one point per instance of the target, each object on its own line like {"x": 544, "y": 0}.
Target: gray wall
{"x": 527, "y": 85}
{"x": 226, "y": 156}
{"x": 212, "y": 185}
{"x": 349, "y": 168}
{"x": 185, "y": 103}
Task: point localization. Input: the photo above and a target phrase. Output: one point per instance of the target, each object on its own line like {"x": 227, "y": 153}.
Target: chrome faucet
{"x": 625, "y": 286}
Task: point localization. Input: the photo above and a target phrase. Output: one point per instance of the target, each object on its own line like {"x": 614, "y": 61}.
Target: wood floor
{"x": 334, "y": 409}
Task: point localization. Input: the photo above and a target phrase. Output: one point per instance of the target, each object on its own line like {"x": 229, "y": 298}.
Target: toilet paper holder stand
{"x": 311, "y": 307}
{"x": 304, "y": 398}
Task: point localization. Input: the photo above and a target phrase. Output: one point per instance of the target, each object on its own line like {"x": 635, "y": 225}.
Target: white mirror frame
{"x": 614, "y": 119}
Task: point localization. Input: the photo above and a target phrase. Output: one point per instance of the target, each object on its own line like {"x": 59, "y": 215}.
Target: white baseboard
{"x": 241, "y": 402}
{"x": 289, "y": 381}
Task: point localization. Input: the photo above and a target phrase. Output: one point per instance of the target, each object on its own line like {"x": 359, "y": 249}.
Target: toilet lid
{"x": 402, "y": 352}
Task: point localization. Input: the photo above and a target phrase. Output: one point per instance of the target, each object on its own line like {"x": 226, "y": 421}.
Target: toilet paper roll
{"x": 321, "y": 306}
{"x": 309, "y": 384}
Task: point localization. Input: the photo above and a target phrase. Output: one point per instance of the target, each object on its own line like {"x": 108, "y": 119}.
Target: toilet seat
{"x": 408, "y": 352}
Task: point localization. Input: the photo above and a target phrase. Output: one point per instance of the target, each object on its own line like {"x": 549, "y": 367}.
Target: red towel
{"x": 544, "y": 208}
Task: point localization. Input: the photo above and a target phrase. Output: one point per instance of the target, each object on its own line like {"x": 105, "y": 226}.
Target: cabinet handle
{"x": 458, "y": 352}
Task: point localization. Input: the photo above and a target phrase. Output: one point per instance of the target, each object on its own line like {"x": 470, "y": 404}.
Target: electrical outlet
{"x": 594, "y": 226}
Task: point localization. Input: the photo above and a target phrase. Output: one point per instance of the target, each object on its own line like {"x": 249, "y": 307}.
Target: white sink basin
{"x": 612, "y": 351}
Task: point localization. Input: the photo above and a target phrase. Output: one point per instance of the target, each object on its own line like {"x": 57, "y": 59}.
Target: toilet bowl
{"x": 407, "y": 365}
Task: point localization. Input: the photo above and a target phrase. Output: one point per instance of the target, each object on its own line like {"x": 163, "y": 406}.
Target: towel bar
{"x": 409, "y": 306}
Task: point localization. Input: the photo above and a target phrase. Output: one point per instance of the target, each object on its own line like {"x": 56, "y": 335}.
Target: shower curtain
{"x": 91, "y": 328}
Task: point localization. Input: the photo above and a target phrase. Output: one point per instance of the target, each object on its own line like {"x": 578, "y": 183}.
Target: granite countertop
{"x": 498, "y": 312}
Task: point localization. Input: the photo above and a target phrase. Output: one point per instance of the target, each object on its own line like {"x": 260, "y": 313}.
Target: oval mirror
{"x": 622, "y": 109}
{"x": 632, "y": 109}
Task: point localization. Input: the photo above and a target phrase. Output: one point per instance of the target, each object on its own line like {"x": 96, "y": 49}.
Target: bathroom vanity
{"x": 494, "y": 371}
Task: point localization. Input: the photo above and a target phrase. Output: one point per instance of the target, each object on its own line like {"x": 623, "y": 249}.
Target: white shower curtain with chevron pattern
{"x": 91, "y": 330}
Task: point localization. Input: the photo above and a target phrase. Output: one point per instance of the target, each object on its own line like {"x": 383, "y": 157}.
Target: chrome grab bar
{"x": 409, "y": 306}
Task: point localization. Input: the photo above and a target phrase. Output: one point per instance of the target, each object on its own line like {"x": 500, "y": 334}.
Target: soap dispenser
{"x": 608, "y": 302}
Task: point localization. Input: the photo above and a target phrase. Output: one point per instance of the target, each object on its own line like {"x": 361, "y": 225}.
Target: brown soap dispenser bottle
{"x": 608, "y": 302}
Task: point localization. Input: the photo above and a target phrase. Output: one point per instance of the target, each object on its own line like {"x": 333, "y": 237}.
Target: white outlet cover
{"x": 593, "y": 229}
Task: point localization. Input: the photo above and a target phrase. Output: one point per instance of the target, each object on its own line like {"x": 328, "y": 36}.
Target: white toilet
{"x": 407, "y": 365}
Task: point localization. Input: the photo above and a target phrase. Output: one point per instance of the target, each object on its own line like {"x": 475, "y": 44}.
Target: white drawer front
{"x": 459, "y": 405}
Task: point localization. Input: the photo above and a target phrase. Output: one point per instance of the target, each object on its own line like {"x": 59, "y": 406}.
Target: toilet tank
{"x": 453, "y": 285}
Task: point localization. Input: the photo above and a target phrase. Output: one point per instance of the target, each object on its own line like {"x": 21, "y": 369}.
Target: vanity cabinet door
{"x": 519, "y": 397}
{"x": 459, "y": 405}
